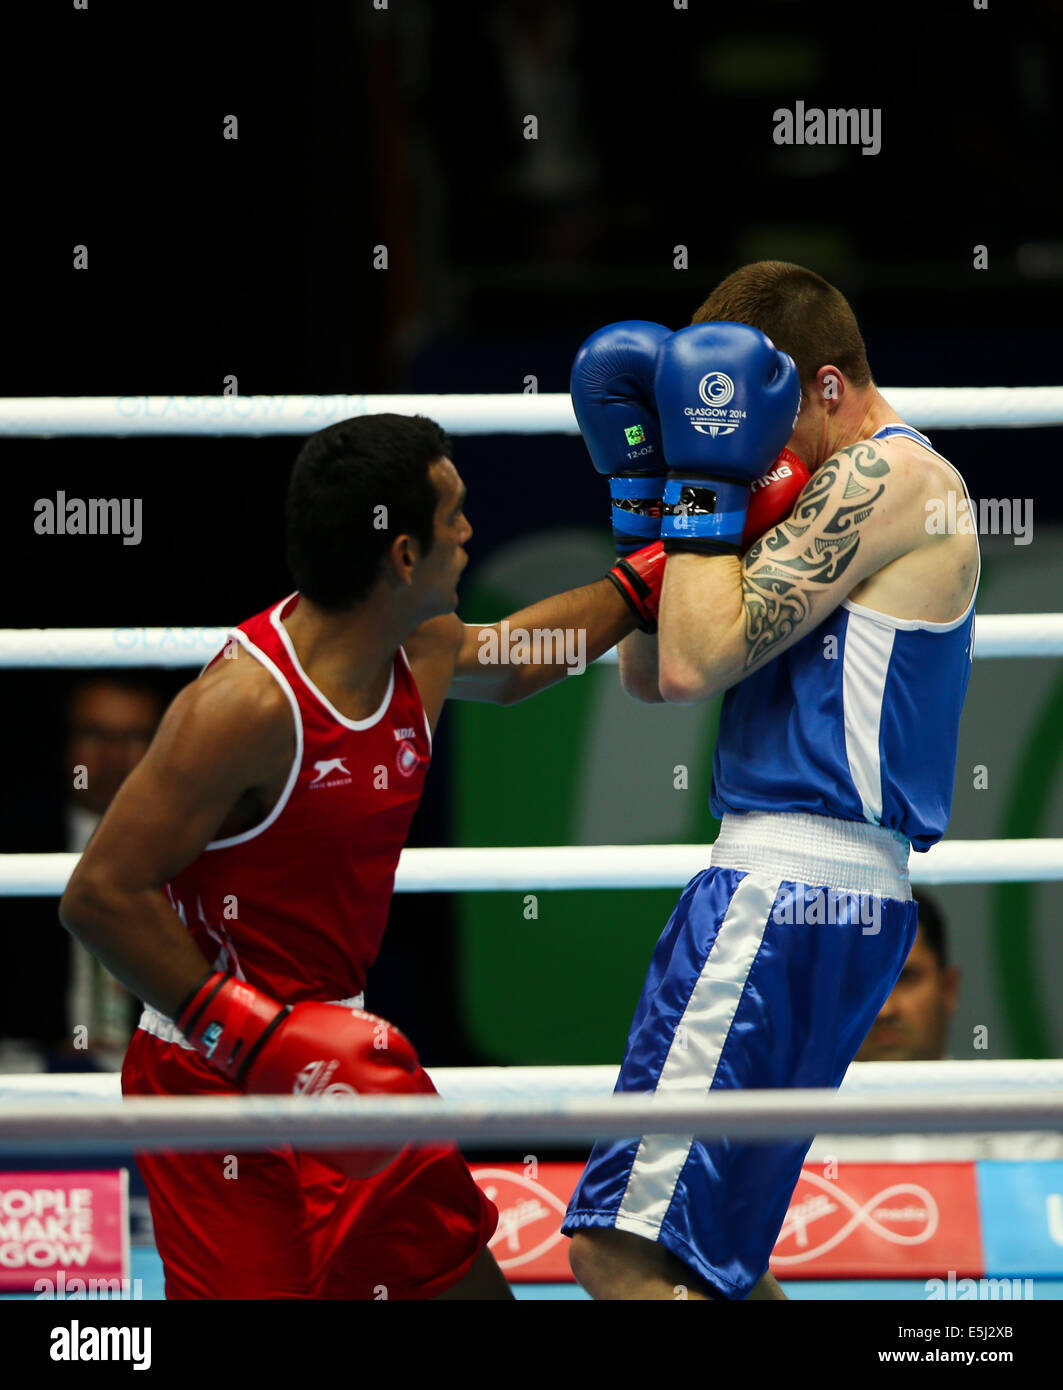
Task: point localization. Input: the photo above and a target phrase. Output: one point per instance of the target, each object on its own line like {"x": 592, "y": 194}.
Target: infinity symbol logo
{"x": 804, "y": 1212}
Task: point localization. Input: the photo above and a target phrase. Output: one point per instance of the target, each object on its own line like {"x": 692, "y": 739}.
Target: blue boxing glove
{"x": 728, "y": 401}
{"x": 612, "y": 395}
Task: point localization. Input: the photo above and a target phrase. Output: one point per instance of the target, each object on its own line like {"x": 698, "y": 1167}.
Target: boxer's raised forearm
{"x": 537, "y": 646}
{"x": 639, "y": 656}
{"x": 701, "y": 629}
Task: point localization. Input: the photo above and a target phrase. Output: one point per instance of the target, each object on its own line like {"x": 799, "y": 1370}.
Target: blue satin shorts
{"x": 756, "y": 982}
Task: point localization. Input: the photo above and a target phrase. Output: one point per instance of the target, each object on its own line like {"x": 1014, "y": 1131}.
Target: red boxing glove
{"x": 639, "y": 577}
{"x": 302, "y": 1050}
{"x": 773, "y": 496}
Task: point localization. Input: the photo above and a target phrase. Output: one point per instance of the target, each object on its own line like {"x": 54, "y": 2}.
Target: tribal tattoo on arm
{"x": 784, "y": 571}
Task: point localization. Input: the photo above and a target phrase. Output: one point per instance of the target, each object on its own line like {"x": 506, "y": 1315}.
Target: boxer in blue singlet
{"x": 843, "y": 641}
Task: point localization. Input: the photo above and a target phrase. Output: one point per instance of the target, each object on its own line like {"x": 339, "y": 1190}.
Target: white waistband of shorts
{"x": 846, "y": 854}
{"x": 153, "y": 1022}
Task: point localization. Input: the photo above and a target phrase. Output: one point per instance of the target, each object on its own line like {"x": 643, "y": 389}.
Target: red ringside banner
{"x": 863, "y": 1221}
{"x": 62, "y": 1228}
{"x": 881, "y": 1221}
{"x": 531, "y": 1199}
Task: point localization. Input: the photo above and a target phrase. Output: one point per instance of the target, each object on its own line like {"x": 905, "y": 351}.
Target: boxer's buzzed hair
{"x": 356, "y": 486}
{"x": 799, "y": 311}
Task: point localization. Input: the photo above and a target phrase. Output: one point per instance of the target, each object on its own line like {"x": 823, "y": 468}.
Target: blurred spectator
{"x": 110, "y": 720}
{"x": 535, "y": 48}
{"x": 912, "y": 1025}
{"x": 514, "y": 194}
{"x": 110, "y": 724}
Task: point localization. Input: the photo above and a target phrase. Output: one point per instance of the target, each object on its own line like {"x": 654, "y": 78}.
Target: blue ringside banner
{"x": 1021, "y": 1207}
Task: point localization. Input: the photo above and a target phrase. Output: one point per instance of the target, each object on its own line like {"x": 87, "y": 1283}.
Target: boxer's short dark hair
{"x": 799, "y": 311}
{"x": 336, "y": 534}
{"x": 932, "y": 921}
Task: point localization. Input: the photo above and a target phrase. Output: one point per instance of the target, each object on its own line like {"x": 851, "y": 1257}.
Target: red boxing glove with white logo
{"x": 773, "y": 496}
{"x": 319, "y": 1050}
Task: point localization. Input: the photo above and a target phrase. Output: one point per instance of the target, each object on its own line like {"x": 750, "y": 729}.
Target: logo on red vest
{"x": 326, "y": 765}
{"x": 407, "y": 758}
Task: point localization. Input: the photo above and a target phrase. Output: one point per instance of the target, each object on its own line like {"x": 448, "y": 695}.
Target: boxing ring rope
{"x": 56, "y": 648}
{"x": 214, "y": 1122}
{"x": 83, "y": 1114}
{"x": 557, "y": 1083}
{"x": 530, "y": 868}
{"x": 48, "y": 417}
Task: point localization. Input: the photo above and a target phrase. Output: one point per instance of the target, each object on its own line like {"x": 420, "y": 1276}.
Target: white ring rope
{"x": 996, "y": 635}
{"x": 485, "y": 1084}
{"x": 205, "y": 1123}
{"x": 529, "y": 868}
{"x": 45, "y": 417}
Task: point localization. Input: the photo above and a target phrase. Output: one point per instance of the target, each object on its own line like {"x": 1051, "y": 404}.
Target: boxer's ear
{"x": 401, "y": 559}
{"x": 830, "y": 384}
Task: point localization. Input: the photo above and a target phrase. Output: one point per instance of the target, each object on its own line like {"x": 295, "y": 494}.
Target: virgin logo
{"x": 529, "y": 1216}
{"x": 822, "y": 1214}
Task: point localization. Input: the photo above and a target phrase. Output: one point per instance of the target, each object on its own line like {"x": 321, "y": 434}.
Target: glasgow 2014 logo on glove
{"x": 716, "y": 389}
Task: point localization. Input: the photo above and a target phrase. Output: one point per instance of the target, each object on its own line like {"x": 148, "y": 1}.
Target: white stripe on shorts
{"x": 696, "y": 1048}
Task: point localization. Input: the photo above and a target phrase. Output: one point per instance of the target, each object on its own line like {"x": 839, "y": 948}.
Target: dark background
{"x": 358, "y": 127}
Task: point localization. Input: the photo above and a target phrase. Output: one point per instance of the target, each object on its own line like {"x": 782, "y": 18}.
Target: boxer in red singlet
{"x": 248, "y": 863}
{"x": 239, "y": 883}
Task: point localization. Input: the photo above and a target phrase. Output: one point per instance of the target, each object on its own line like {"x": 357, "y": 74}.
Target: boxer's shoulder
{"x": 899, "y": 470}
{"x": 936, "y": 487}
{"x": 432, "y": 651}
{"x": 241, "y": 681}
{"x": 877, "y": 485}
{"x": 934, "y": 576}
{"x": 907, "y": 456}
{"x": 435, "y": 638}
{"x": 874, "y": 456}
{"x": 238, "y": 698}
